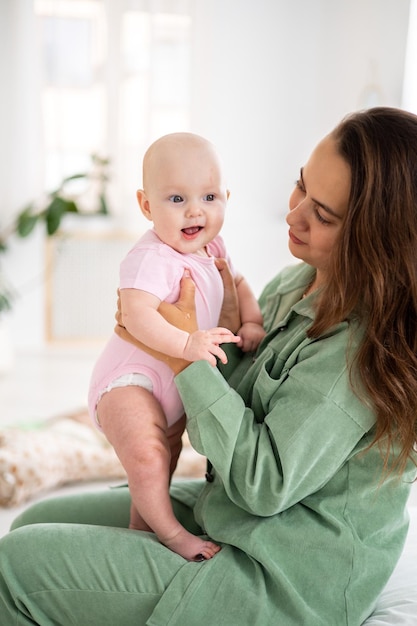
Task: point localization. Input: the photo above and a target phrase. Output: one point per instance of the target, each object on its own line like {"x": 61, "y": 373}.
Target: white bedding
{"x": 397, "y": 605}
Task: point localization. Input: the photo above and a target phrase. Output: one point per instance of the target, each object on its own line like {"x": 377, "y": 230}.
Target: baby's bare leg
{"x": 136, "y": 522}
{"x": 135, "y": 425}
{"x": 174, "y": 435}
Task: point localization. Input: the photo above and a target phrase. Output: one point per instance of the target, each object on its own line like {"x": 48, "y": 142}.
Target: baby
{"x": 132, "y": 395}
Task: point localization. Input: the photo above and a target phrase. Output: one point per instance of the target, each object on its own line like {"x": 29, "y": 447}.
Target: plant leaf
{"x": 104, "y": 209}
{"x": 73, "y": 177}
{"x": 26, "y": 222}
{"x": 5, "y": 302}
{"x": 56, "y": 210}
{"x": 71, "y": 206}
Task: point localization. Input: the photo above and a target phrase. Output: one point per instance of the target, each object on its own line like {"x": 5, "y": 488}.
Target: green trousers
{"x": 84, "y": 567}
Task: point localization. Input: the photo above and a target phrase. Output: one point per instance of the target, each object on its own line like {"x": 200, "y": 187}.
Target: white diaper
{"x": 140, "y": 380}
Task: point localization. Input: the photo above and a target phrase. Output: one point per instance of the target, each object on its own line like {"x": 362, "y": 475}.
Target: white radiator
{"x": 82, "y": 279}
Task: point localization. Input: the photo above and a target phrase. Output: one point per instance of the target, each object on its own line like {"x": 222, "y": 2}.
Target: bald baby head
{"x": 176, "y": 151}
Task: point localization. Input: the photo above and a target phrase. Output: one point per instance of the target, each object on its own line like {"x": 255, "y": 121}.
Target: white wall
{"x": 20, "y": 165}
{"x": 270, "y": 78}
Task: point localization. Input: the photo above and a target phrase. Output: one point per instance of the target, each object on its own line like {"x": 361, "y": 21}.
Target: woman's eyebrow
{"x": 325, "y": 207}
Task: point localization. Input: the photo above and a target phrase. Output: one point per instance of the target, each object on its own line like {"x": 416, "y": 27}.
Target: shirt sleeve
{"x": 153, "y": 271}
{"x": 308, "y": 431}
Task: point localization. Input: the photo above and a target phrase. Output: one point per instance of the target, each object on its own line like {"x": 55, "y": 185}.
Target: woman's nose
{"x": 297, "y": 214}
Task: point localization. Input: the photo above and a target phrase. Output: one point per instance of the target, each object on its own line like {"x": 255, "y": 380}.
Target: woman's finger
{"x": 229, "y": 315}
{"x": 186, "y": 300}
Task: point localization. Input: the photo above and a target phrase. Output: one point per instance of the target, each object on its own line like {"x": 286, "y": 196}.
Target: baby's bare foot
{"x": 191, "y": 547}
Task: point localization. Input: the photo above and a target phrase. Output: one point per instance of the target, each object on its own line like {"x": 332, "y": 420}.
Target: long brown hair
{"x": 373, "y": 272}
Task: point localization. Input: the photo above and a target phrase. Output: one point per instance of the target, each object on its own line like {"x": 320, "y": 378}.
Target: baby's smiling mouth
{"x": 192, "y": 230}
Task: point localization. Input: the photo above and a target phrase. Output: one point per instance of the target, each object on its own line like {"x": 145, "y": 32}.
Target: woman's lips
{"x": 295, "y": 239}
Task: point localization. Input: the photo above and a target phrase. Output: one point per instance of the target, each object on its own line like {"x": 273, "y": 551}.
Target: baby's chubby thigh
{"x": 130, "y": 415}
{"x": 160, "y": 383}
{"x": 136, "y": 408}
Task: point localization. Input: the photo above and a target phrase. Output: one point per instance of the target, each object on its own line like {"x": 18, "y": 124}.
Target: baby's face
{"x": 185, "y": 196}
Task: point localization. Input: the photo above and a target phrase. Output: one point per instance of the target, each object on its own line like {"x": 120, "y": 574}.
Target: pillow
{"x": 397, "y": 604}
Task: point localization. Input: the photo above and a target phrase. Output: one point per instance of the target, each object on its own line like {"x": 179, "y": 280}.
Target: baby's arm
{"x": 141, "y": 318}
{"x": 251, "y": 331}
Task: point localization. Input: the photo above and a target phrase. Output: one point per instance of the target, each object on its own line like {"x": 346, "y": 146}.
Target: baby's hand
{"x": 251, "y": 335}
{"x": 205, "y": 345}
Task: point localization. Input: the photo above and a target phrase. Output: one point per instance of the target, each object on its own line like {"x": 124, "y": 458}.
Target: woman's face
{"x": 318, "y": 205}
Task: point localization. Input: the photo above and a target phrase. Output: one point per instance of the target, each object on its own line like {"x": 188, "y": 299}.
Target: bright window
{"x": 116, "y": 76}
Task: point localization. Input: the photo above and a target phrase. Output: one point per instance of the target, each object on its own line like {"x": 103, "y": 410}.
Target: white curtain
{"x": 21, "y": 158}
{"x": 21, "y": 164}
{"x": 409, "y": 98}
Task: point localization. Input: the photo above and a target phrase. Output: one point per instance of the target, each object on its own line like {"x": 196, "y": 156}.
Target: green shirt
{"x": 309, "y": 532}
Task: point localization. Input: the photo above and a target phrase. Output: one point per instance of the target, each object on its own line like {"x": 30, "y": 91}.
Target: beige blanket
{"x": 64, "y": 450}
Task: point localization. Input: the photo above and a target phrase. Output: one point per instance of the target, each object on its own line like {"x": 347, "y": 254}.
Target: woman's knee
{"x": 34, "y": 514}
{"x": 109, "y": 507}
{"x": 17, "y": 549}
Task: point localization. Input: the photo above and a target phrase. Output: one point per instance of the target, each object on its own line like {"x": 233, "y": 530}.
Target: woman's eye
{"x": 176, "y": 198}
{"x": 320, "y": 218}
{"x": 209, "y": 197}
{"x": 299, "y": 185}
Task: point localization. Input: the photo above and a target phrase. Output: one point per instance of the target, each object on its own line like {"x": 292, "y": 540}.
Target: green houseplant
{"x": 50, "y": 211}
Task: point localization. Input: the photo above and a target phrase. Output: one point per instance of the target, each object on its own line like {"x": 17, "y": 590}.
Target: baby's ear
{"x": 144, "y": 204}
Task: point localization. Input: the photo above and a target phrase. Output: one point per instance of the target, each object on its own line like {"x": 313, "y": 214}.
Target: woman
{"x": 310, "y": 444}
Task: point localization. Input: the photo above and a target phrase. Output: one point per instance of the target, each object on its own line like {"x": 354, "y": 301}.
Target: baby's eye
{"x": 176, "y": 198}
{"x": 209, "y": 197}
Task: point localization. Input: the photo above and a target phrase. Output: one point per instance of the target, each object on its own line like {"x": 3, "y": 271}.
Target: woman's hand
{"x": 229, "y": 315}
{"x": 181, "y": 314}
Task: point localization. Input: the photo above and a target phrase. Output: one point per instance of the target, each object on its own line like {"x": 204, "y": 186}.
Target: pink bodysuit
{"x": 154, "y": 267}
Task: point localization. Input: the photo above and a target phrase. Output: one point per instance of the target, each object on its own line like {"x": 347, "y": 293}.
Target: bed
{"x": 397, "y": 605}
